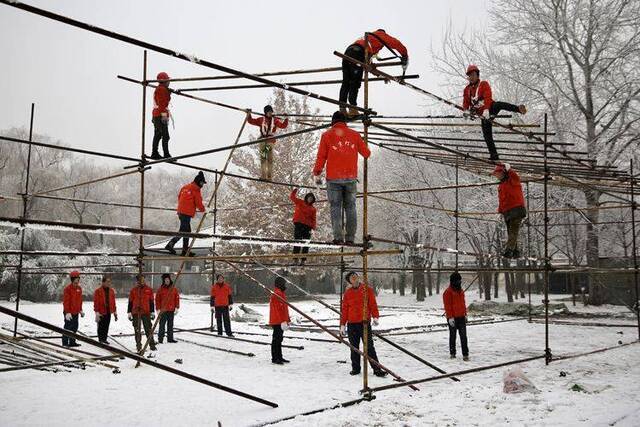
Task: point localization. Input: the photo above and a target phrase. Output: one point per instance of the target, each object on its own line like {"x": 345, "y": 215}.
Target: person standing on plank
{"x": 222, "y": 304}
{"x": 477, "y": 100}
{"x": 455, "y": 308}
{"x": 72, "y": 308}
{"x": 161, "y": 116}
{"x": 352, "y": 319}
{"x": 104, "y": 305}
{"x": 141, "y": 311}
{"x": 189, "y": 200}
{"x": 167, "y": 305}
{"x": 511, "y": 205}
{"x": 278, "y": 319}
{"x": 352, "y": 73}
{"x": 268, "y": 126}
{"x": 304, "y": 220}
{"x": 339, "y": 149}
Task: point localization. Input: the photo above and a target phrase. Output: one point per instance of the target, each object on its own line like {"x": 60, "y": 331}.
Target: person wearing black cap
{"x": 304, "y": 220}
{"x": 455, "y": 308}
{"x": 167, "y": 306}
{"x": 268, "y": 126}
{"x": 189, "y": 200}
{"x": 279, "y": 319}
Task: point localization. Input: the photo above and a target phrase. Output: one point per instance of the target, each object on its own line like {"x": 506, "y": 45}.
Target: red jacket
{"x": 100, "y": 302}
{"x": 477, "y": 97}
{"x": 278, "y": 310}
{"x": 161, "y": 98}
{"x": 190, "y": 199}
{"x": 268, "y": 126}
{"x": 339, "y": 148}
{"x": 378, "y": 39}
{"x": 141, "y": 300}
{"x": 221, "y": 295}
{"x": 72, "y": 299}
{"x": 353, "y": 305}
{"x": 454, "y": 304}
{"x": 510, "y": 193}
{"x": 304, "y": 212}
{"x": 167, "y": 298}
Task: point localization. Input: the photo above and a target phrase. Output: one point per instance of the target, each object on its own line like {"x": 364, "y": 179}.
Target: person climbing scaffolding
{"x": 304, "y": 220}
{"x": 161, "y": 116}
{"x": 268, "y": 125}
{"x": 189, "y": 200}
{"x": 511, "y": 205}
{"x": 478, "y": 101}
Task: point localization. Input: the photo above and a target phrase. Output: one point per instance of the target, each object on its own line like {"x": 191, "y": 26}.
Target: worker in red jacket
{"x": 189, "y": 200}
{"x": 279, "y": 319}
{"x": 304, "y": 220}
{"x": 352, "y": 319}
{"x": 352, "y": 73}
{"x": 221, "y": 304}
{"x": 511, "y": 205}
{"x": 104, "y": 305}
{"x": 339, "y": 149}
{"x": 167, "y": 306}
{"x": 141, "y": 311}
{"x": 455, "y": 308}
{"x": 161, "y": 116}
{"x": 72, "y": 308}
{"x": 268, "y": 125}
{"x": 477, "y": 101}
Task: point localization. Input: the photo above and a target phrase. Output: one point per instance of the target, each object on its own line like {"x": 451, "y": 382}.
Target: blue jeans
{"x": 342, "y": 197}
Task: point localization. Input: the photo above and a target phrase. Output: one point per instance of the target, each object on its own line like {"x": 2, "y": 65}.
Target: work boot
{"x": 155, "y": 156}
{"x": 277, "y": 362}
{"x": 172, "y": 341}
{"x": 465, "y": 358}
{"x": 355, "y": 372}
{"x": 349, "y": 243}
{"x": 169, "y": 247}
{"x": 452, "y": 356}
{"x": 153, "y": 348}
{"x": 285, "y": 360}
{"x": 75, "y": 344}
{"x": 379, "y": 373}
{"x": 353, "y": 112}
{"x": 160, "y": 340}
{"x": 104, "y": 342}
{"x": 522, "y": 109}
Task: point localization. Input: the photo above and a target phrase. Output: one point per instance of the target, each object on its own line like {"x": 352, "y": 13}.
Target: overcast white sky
{"x": 71, "y": 74}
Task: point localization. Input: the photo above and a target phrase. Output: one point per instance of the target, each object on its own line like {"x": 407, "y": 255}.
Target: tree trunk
{"x": 429, "y": 283}
{"x": 418, "y": 284}
{"x": 393, "y": 285}
{"x": 592, "y": 197}
{"x": 438, "y": 277}
{"x": 403, "y": 283}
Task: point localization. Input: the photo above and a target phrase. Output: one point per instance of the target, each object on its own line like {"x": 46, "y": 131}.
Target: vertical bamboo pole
{"x": 547, "y": 350}
{"x": 213, "y": 244}
{"x": 25, "y": 202}
{"x": 529, "y": 250}
{"x": 457, "y": 210}
{"x": 635, "y": 253}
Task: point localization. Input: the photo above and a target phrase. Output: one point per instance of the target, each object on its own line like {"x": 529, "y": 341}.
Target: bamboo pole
{"x": 547, "y": 265}
{"x": 635, "y": 249}
{"x": 365, "y": 234}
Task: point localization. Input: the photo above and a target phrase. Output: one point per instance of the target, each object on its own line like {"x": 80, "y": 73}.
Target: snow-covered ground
{"x": 318, "y": 376}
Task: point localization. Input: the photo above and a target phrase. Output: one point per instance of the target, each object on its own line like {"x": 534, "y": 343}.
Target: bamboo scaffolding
{"x": 278, "y": 256}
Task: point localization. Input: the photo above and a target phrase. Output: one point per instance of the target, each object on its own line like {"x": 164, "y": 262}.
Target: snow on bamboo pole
{"x": 133, "y": 356}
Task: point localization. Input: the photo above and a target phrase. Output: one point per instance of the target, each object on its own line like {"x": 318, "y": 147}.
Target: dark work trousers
{"x": 103, "y": 326}
{"x": 513, "y": 218}
{"x": 487, "y": 125}
{"x": 351, "y": 75}
{"x": 160, "y": 132}
{"x": 185, "y": 227}
{"x": 355, "y": 333}
{"x": 222, "y": 315}
{"x": 166, "y": 323}
{"x": 276, "y": 343}
{"x": 145, "y": 320}
{"x": 460, "y": 325}
{"x": 70, "y": 325}
{"x": 301, "y": 232}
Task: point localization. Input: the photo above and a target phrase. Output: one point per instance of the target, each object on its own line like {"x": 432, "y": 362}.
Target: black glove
{"x": 404, "y": 61}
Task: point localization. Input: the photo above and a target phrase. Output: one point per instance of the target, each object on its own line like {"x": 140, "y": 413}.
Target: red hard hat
{"x": 163, "y": 76}
{"x": 74, "y": 274}
{"x": 471, "y": 68}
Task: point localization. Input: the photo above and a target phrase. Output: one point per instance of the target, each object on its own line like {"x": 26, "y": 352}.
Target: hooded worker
{"x": 511, "y": 205}
{"x": 455, "y": 309}
{"x": 304, "y": 220}
{"x": 279, "y": 319}
{"x": 189, "y": 201}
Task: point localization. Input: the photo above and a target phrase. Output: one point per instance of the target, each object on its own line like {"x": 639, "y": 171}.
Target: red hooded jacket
{"x": 190, "y": 199}
{"x": 454, "y": 303}
{"x": 268, "y": 126}
{"x": 353, "y": 305}
{"x": 72, "y": 299}
{"x": 477, "y": 97}
{"x": 140, "y": 300}
{"x": 304, "y": 213}
{"x": 278, "y": 310}
{"x": 378, "y": 39}
{"x": 510, "y": 193}
{"x": 339, "y": 148}
{"x": 167, "y": 298}
{"x": 100, "y": 300}
{"x": 161, "y": 99}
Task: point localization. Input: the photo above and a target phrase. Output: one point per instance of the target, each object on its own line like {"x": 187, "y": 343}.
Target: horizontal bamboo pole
{"x": 274, "y": 256}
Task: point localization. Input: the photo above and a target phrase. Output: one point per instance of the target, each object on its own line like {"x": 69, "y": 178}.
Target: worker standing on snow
{"x": 352, "y": 73}
{"x": 511, "y": 205}
{"x": 221, "y": 303}
{"x": 141, "y": 311}
{"x": 161, "y": 116}
{"x": 278, "y": 319}
{"x": 268, "y": 126}
{"x": 455, "y": 309}
{"x": 189, "y": 200}
{"x": 167, "y": 305}
{"x": 304, "y": 220}
{"x": 352, "y": 319}
{"x": 339, "y": 148}
{"x": 72, "y": 308}
{"x": 104, "y": 305}
{"x": 478, "y": 101}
